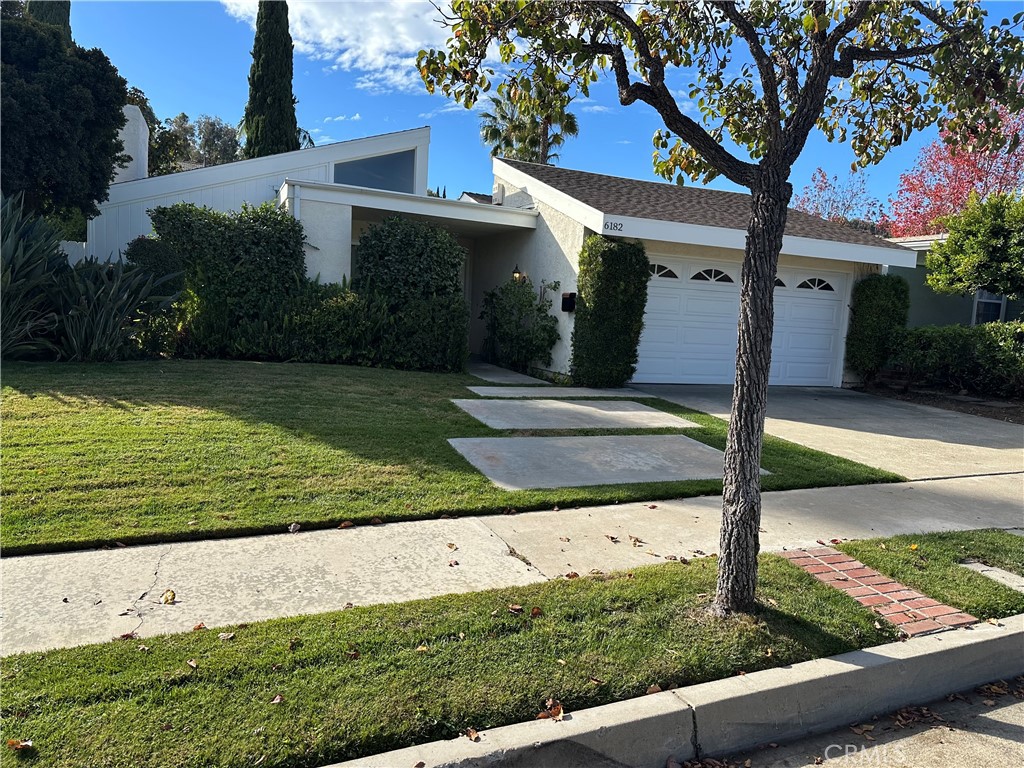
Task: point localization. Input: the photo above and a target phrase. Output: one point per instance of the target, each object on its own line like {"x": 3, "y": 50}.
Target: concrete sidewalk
{"x": 86, "y": 597}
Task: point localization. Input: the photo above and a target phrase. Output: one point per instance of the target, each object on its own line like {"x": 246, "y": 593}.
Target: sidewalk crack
{"x": 134, "y": 607}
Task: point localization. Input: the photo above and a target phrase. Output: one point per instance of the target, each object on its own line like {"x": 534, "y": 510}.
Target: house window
{"x": 779, "y": 283}
{"x": 816, "y": 284}
{"x": 395, "y": 172}
{"x": 659, "y": 270}
{"x": 988, "y": 307}
{"x": 712, "y": 276}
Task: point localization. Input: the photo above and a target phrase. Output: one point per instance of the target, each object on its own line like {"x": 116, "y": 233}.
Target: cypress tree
{"x": 270, "y": 125}
{"x": 55, "y": 12}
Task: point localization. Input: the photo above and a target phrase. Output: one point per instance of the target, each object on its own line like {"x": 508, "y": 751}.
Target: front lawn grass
{"x": 930, "y": 562}
{"x": 370, "y": 679}
{"x": 162, "y": 450}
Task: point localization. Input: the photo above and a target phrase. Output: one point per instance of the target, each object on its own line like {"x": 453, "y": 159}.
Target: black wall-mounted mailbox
{"x": 568, "y": 302}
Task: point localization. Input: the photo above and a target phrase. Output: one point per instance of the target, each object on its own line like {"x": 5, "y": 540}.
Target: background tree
{"x": 984, "y": 250}
{"x": 270, "y": 125}
{"x": 12, "y": 9}
{"x": 62, "y": 110}
{"x": 846, "y": 202}
{"x": 947, "y": 173}
{"x": 54, "y": 12}
{"x": 901, "y": 67}
{"x": 216, "y": 141}
{"x": 525, "y": 130}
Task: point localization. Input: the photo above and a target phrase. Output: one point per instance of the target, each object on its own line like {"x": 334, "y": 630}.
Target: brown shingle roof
{"x": 687, "y": 205}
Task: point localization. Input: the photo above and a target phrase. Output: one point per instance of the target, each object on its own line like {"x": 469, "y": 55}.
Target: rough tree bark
{"x": 741, "y": 494}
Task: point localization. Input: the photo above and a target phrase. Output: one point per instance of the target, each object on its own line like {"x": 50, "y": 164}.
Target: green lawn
{"x": 357, "y": 682}
{"x": 135, "y": 452}
{"x": 930, "y": 562}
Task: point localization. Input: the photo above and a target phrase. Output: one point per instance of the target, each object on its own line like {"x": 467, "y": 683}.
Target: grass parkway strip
{"x": 173, "y": 450}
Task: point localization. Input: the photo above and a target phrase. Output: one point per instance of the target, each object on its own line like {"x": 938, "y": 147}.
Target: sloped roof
{"x": 617, "y": 196}
{"x": 483, "y": 198}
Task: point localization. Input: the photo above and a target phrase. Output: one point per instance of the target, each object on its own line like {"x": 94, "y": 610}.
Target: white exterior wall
{"x": 226, "y": 187}
{"x": 135, "y": 137}
{"x": 328, "y": 230}
{"x": 549, "y": 253}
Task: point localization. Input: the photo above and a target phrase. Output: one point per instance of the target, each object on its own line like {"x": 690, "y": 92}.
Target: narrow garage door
{"x": 689, "y": 332}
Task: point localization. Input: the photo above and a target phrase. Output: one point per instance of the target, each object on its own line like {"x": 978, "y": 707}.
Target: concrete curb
{"x": 731, "y": 715}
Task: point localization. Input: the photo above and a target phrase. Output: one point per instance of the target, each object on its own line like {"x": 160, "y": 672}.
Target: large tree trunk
{"x": 741, "y": 493}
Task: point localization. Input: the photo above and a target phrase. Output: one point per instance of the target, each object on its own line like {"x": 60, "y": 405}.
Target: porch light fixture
{"x": 516, "y": 274}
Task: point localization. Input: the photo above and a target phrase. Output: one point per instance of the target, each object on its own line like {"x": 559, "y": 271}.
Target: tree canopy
{"x": 984, "y": 249}
{"x": 763, "y": 74}
{"x": 54, "y": 12}
{"x": 844, "y": 201}
{"x": 62, "y": 110}
{"x": 270, "y": 125}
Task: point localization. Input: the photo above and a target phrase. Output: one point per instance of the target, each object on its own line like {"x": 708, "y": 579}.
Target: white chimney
{"x": 135, "y": 136}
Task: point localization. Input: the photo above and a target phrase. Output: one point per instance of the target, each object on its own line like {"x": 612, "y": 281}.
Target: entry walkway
{"x": 86, "y": 597}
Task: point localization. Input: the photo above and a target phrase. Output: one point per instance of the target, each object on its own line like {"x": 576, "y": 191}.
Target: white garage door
{"x": 689, "y": 332}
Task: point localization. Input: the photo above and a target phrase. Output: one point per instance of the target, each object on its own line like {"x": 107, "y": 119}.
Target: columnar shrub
{"x": 609, "y": 311}
{"x": 244, "y": 273}
{"x": 878, "y": 315}
{"x": 520, "y": 328}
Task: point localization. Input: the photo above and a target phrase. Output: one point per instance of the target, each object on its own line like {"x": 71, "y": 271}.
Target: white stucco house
{"x": 536, "y": 219}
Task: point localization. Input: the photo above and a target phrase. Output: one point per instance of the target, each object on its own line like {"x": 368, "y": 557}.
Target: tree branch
{"x": 769, "y": 83}
{"x": 843, "y": 66}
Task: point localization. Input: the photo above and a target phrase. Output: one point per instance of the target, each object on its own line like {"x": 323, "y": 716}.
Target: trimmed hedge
{"x": 520, "y": 328}
{"x": 157, "y": 258}
{"x": 878, "y": 314}
{"x": 985, "y": 359}
{"x": 612, "y": 295}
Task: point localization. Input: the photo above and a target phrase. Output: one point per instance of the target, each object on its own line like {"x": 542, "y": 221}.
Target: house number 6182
{"x": 612, "y": 226}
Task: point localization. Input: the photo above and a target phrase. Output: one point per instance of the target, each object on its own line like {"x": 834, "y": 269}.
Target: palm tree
{"x": 528, "y": 130}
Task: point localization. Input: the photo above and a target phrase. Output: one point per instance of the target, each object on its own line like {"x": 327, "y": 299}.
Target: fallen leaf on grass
{"x": 913, "y": 547}
{"x": 422, "y": 649}
{"x": 346, "y": 606}
{"x": 19, "y": 744}
{"x": 352, "y": 652}
{"x": 279, "y": 699}
{"x": 167, "y": 597}
{"x": 143, "y": 648}
{"x": 515, "y": 609}
{"x": 226, "y": 636}
{"x": 376, "y": 521}
{"x": 472, "y": 735}
{"x": 536, "y": 612}
{"x": 193, "y": 663}
{"x": 198, "y": 627}
{"x": 553, "y": 710}
{"x": 596, "y": 572}
{"x": 597, "y": 681}
{"x": 572, "y": 575}
{"x": 294, "y": 642}
{"x": 346, "y": 524}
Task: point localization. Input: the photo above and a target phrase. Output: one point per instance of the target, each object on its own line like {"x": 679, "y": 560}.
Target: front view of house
{"x": 536, "y": 222}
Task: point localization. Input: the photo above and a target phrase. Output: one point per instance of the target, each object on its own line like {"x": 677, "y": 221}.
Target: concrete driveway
{"x": 915, "y": 441}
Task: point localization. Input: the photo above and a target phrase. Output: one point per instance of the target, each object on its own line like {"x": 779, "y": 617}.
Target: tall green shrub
{"x": 878, "y": 315}
{"x": 609, "y": 311}
{"x": 244, "y": 274}
{"x": 269, "y": 119}
{"x": 520, "y": 329}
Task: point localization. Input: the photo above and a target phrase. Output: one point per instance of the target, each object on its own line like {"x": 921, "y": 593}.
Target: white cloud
{"x": 342, "y": 118}
{"x": 624, "y": 141}
{"x": 596, "y": 108}
{"x": 378, "y": 41}
{"x": 447, "y": 108}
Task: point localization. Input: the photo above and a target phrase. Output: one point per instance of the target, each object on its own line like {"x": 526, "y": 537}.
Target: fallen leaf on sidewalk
{"x": 294, "y": 528}
{"x": 420, "y": 764}
{"x": 652, "y": 506}
{"x": 636, "y": 541}
{"x": 167, "y": 597}
{"x": 553, "y": 710}
{"x": 572, "y": 575}
{"x": 472, "y": 735}
{"x": 612, "y": 539}
{"x": 564, "y": 538}
{"x": 671, "y": 557}
{"x": 452, "y": 563}
{"x": 346, "y": 524}
{"x": 375, "y": 521}
{"x": 198, "y": 627}
{"x": 128, "y": 636}
{"x": 654, "y": 689}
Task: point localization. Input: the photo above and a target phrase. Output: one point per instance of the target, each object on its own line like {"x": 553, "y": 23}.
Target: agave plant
{"x": 103, "y": 306}
{"x": 32, "y": 264}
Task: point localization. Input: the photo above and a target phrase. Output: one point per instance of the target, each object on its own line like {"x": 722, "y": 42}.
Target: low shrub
{"x": 609, "y": 311}
{"x": 519, "y": 325}
{"x": 878, "y": 314}
{"x": 428, "y": 334}
{"x": 159, "y": 259}
{"x": 985, "y": 359}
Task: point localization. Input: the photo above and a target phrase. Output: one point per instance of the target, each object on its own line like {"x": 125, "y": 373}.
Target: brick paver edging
{"x": 912, "y": 612}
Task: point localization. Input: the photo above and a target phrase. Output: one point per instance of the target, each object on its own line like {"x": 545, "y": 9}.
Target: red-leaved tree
{"x": 945, "y": 176}
{"x": 843, "y": 201}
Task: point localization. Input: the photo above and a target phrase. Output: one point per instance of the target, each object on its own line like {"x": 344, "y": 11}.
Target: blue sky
{"x": 354, "y": 76}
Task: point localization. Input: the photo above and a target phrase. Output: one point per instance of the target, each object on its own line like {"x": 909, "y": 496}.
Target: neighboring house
{"x": 476, "y": 197}
{"x": 930, "y": 308}
{"x": 536, "y": 220}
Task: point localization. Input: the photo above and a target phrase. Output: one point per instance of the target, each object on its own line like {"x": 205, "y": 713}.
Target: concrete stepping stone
{"x": 519, "y": 463}
{"x": 1004, "y": 577}
{"x": 562, "y": 414}
{"x": 496, "y": 375}
{"x": 563, "y": 393}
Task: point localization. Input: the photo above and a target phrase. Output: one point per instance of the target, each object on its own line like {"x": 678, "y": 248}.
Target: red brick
{"x": 803, "y": 562}
{"x": 887, "y": 608}
{"x": 921, "y": 627}
{"x": 853, "y": 565}
{"x": 818, "y": 568}
{"x": 922, "y": 602}
{"x": 874, "y": 600}
{"x": 794, "y": 553}
{"x": 938, "y": 610}
{"x": 833, "y": 576}
{"x": 856, "y": 591}
{"x": 906, "y": 594}
{"x": 901, "y": 618}
{"x": 875, "y": 580}
{"x": 956, "y": 619}
{"x": 840, "y": 558}
{"x": 888, "y": 586}
{"x": 858, "y": 573}
{"x": 819, "y": 551}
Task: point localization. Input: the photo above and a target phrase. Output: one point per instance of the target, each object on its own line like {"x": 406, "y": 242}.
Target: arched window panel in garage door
{"x": 712, "y": 275}
{"x": 660, "y": 270}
